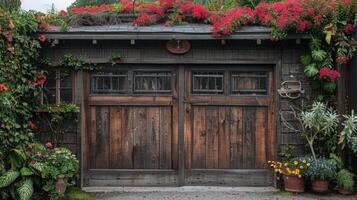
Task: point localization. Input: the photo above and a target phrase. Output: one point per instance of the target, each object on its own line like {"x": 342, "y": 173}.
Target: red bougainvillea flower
{"x": 144, "y": 20}
{"x": 42, "y": 38}
{"x": 49, "y": 145}
{"x": 63, "y": 13}
{"x": 329, "y": 74}
{"x": 11, "y": 24}
{"x": 219, "y": 3}
{"x": 342, "y": 60}
{"x": 348, "y": 28}
{"x": 40, "y": 80}
{"x": 31, "y": 125}
{"x": 3, "y": 87}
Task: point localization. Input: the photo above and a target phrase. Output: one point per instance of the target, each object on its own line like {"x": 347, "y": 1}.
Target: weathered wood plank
{"x": 133, "y": 177}
{"x": 199, "y": 138}
{"x": 102, "y": 138}
{"x": 127, "y": 137}
{"x": 229, "y": 177}
{"x": 235, "y": 119}
{"x": 223, "y": 138}
{"x": 165, "y": 138}
{"x": 116, "y": 153}
{"x": 212, "y": 137}
{"x": 260, "y": 137}
{"x": 249, "y": 138}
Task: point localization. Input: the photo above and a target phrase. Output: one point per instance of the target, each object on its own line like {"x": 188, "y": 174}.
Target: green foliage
{"x": 349, "y": 133}
{"x": 70, "y": 62}
{"x": 318, "y": 55}
{"x": 345, "y": 179}
{"x": 288, "y": 152}
{"x": 8, "y": 178}
{"x": 25, "y": 189}
{"x": 322, "y": 169}
{"x": 74, "y": 193}
{"x": 10, "y": 5}
{"x": 311, "y": 70}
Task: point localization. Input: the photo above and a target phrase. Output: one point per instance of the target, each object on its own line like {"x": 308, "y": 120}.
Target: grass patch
{"x": 75, "y": 193}
{"x": 284, "y": 193}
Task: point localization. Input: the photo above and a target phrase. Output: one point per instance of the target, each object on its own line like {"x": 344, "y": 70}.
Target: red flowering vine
{"x": 40, "y": 80}
{"x": 329, "y": 74}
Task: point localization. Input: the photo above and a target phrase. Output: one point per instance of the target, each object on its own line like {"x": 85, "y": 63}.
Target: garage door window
{"x": 207, "y": 82}
{"x": 249, "y": 83}
{"x": 109, "y": 83}
{"x": 152, "y": 82}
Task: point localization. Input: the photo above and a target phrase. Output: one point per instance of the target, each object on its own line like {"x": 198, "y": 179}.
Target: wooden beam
{"x": 181, "y": 121}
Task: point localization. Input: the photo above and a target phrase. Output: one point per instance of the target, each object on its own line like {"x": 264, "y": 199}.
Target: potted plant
{"x": 321, "y": 172}
{"x": 345, "y": 182}
{"x": 292, "y": 172}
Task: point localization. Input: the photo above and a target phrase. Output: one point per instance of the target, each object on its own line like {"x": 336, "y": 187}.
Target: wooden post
{"x": 181, "y": 120}
{"x": 79, "y": 101}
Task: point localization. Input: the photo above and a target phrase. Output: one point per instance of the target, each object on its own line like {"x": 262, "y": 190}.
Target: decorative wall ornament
{"x": 291, "y": 89}
{"x": 178, "y": 46}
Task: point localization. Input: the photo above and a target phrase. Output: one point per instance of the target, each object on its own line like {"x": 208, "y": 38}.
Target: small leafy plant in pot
{"x": 321, "y": 172}
{"x": 292, "y": 172}
{"x": 345, "y": 182}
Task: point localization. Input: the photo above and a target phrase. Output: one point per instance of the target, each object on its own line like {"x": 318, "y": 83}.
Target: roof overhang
{"x": 161, "y": 32}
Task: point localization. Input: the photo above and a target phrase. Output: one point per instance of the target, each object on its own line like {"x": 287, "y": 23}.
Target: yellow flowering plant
{"x": 295, "y": 167}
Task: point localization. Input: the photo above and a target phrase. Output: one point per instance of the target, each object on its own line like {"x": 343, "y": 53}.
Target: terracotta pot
{"x": 320, "y": 186}
{"x": 345, "y": 191}
{"x": 294, "y": 184}
{"x": 60, "y": 184}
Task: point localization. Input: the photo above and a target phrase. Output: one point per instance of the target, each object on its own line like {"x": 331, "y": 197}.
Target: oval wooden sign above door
{"x": 178, "y": 46}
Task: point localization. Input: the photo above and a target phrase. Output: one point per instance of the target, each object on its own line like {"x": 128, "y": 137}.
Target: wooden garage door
{"x": 229, "y": 125}
{"x": 132, "y": 127}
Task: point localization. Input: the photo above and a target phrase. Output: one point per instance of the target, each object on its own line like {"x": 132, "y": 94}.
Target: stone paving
{"x": 207, "y": 193}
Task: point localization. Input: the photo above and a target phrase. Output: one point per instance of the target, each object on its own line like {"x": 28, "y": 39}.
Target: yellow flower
{"x": 301, "y": 167}
{"x": 299, "y": 176}
{"x": 276, "y": 170}
{"x": 286, "y": 164}
{"x": 308, "y": 164}
{"x": 304, "y": 161}
{"x": 277, "y": 178}
{"x": 269, "y": 161}
{"x": 296, "y": 163}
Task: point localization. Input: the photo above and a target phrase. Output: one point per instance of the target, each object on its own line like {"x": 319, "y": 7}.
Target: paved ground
{"x": 207, "y": 193}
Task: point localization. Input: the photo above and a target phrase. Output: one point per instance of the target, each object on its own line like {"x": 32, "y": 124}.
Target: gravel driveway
{"x": 207, "y": 193}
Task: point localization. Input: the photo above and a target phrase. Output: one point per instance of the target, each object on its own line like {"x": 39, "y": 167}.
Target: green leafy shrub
{"x": 349, "y": 133}
{"x": 322, "y": 169}
{"x": 345, "y": 179}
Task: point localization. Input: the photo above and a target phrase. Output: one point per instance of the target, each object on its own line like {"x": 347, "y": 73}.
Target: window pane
{"x": 152, "y": 82}
{"x": 207, "y": 82}
{"x": 66, "y": 95}
{"x": 49, "y": 89}
{"x": 249, "y": 83}
{"x": 109, "y": 83}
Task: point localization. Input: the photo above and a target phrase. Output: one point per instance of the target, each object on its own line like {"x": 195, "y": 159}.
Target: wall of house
{"x": 285, "y": 55}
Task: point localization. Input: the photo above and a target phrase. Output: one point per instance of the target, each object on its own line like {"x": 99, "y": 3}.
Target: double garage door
{"x": 179, "y": 125}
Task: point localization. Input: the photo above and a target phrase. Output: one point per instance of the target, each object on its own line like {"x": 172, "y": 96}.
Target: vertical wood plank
{"x": 248, "y": 137}
{"x": 165, "y": 138}
{"x": 140, "y": 130}
{"x": 127, "y": 137}
{"x": 92, "y": 137}
{"x": 188, "y": 136}
{"x": 181, "y": 125}
{"x": 223, "y": 139}
{"x": 152, "y": 144}
{"x": 260, "y": 137}
{"x": 271, "y": 132}
{"x": 211, "y": 137}
{"x": 199, "y": 138}
{"x": 116, "y": 153}
{"x": 235, "y": 119}
{"x": 102, "y": 138}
